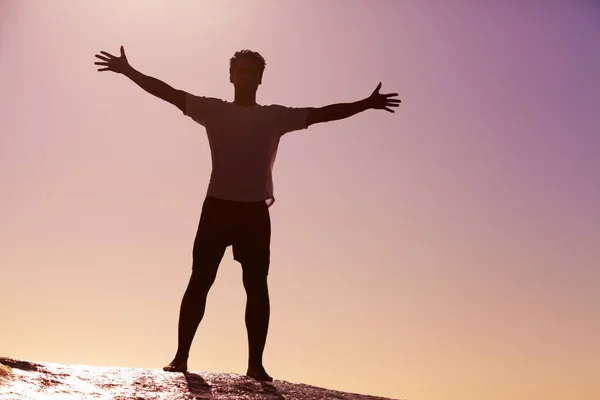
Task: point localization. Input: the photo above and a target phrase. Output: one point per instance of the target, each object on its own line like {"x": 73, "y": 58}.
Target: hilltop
{"x": 26, "y": 380}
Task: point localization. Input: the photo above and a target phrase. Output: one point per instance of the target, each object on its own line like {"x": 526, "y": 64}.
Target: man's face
{"x": 245, "y": 75}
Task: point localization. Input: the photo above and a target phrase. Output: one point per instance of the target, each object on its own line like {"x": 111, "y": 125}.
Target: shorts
{"x": 246, "y": 226}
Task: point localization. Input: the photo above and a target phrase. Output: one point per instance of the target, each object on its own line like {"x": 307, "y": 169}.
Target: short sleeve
{"x": 291, "y": 119}
{"x": 200, "y": 108}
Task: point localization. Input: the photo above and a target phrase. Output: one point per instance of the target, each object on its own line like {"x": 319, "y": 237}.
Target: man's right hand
{"x": 119, "y": 65}
{"x": 151, "y": 85}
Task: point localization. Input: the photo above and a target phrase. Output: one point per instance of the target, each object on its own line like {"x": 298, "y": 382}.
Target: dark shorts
{"x": 246, "y": 226}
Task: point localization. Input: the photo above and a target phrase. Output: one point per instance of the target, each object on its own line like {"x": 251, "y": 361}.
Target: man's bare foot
{"x": 176, "y": 366}
{"x": 259, "y": 374}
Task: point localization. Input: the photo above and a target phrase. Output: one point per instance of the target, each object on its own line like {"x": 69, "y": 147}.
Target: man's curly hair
{"x": 249, "y": 55}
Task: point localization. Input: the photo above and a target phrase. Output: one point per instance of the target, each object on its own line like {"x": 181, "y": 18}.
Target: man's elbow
{"x": 177, "y": 98}
{"x": 315, "y": 116}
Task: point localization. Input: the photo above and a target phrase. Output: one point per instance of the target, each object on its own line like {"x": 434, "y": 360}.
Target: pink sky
{"x": 448, "y": 251}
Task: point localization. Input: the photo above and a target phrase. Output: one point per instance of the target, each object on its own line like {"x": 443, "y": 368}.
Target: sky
{"x": 447, "y": 251}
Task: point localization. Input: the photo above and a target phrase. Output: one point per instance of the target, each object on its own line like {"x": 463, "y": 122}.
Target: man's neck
{"x": 245, "y": 99}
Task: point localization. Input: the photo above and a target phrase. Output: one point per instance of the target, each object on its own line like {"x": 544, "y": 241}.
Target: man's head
{"x": 246, "y": 69}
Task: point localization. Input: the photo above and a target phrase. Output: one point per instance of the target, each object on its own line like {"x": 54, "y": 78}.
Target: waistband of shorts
{"x": 235, "y": 203}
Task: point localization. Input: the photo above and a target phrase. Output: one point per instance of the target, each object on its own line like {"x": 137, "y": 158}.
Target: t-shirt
{"x": 243, "y": 144}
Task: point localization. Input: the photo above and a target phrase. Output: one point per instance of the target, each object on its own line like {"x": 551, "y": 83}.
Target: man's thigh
{"x": 252, "y": 241}
{"x": 211, "y": 239}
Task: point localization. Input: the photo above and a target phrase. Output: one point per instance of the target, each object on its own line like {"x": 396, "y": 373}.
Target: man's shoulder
{"x": 202, "y": 109}
{"x": 189, "y": 97}
{"x": 279, "y": 110}
{"x": 274, "y": 107}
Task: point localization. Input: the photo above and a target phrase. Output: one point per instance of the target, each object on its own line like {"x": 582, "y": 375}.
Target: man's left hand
{"x": 380, "y": 101}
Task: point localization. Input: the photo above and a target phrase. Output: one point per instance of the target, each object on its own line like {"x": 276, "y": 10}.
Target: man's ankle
{"x": 255, "y": 365}
{"x": 179, "y": 359}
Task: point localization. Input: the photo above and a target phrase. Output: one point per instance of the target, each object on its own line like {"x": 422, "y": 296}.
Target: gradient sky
{"x": 448, "y": 251}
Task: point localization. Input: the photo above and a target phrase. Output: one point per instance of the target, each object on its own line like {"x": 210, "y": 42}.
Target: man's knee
{"x": 255, "y": 279}
{"x": 202, "y": 279}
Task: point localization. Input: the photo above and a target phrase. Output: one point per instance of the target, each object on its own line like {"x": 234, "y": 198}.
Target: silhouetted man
{"x": 243, "y": 138}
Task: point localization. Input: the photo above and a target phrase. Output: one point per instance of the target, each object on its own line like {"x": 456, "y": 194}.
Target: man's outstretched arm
{"x": 151, "y": 85}
{"x": 334, "y": 112}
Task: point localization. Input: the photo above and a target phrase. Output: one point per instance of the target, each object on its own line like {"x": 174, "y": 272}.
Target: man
{"x": 243, "y": 138}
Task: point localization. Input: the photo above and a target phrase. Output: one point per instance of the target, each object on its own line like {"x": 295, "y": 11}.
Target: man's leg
{"x": 257, "y": 321}
{"x": 208, "y": 251}
{"x": 252, "y": 249}
{"x": 191, "y": 313}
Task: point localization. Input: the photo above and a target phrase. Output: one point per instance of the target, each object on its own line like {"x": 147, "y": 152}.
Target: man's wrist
{"x": 128, "y": 71}
{"x": 366, "y": 103}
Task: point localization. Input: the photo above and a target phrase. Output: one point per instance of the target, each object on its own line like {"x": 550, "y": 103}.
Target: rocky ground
{"x": 25, "y": 380}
